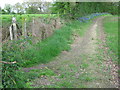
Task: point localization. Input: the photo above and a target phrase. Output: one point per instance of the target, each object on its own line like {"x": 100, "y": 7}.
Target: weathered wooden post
{"x": 50, "y": 14}
{"x": 58, "y": 14}
{"x": 11, "y": 33}
{"x": 25, "y": 31}
{"x": 14, "y": 28}
{"x": 33, "y": 34}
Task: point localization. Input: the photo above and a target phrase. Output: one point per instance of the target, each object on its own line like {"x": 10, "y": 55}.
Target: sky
{"x": 12, "y": 2}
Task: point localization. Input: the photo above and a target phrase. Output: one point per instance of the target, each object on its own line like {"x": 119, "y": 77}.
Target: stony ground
{"x": 86, "y": 65}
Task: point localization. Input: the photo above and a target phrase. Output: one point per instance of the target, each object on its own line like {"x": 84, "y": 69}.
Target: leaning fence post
{"x": 33, "y": 27}
{"x": 15, "y": 31}
{"x": 14, "y": 27}
{"x": 11, "y": 33}
{"x": 25, "y": 31}
{"x": 58, "y": 14}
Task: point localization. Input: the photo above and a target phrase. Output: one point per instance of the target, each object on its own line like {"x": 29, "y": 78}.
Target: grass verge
{"x": 111, "y": 29}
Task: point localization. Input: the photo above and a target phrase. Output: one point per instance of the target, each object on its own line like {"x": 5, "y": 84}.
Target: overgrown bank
{"x": 27, "y": 53}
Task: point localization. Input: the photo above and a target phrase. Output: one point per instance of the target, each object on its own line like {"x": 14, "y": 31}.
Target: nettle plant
{"x": 11, "y": 76}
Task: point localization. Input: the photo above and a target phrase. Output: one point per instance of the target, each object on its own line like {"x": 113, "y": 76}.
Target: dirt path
{"x": 81, "y": 67}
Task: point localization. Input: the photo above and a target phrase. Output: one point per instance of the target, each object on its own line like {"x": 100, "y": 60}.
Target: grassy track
{"x": 74, "y": 69}
{"x": 82, "y": 71}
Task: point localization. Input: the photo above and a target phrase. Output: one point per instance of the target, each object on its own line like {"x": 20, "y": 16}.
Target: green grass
{"x": 86, "y": 77}
{"x": 111, "y": 29}
{"x": 43, "y": 72}
{"x": 68, "y": 78}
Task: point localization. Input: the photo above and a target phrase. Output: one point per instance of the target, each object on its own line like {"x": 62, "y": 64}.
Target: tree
{"x": 63, "y": 8}
{"x": 18, "y": 8}
{"x": 33, "y": 7}
{"x": 46, "y": 7}
{"x": 3, "y": 11}
{"x": 8, "y": 8}
{"x": 32, "y": 10}
{"x": 79, "y": 9}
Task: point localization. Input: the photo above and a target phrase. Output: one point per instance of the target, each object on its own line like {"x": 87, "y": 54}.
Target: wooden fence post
{"x": 11, "y": 33}
{"x": 58, "y": 14}
{"x": 33, "y": 34}
{"x": 25, "y": 31}
{"x": 15, "y": 31}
